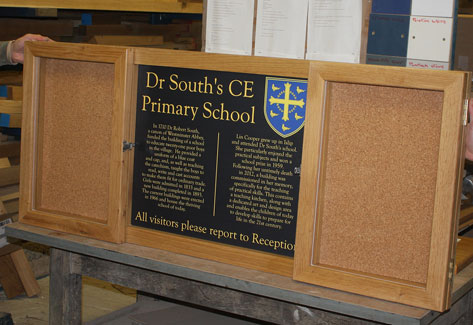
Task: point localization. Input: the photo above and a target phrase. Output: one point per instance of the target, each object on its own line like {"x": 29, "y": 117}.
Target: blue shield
{"x": 285, "y": 105}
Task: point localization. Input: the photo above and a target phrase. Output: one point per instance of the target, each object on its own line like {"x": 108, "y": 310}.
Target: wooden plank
{"x": 3, "y": 209}
{"x": 462, "y": 282}
{"x": 46, "y": 12}
{"x": 464, "y": 253}
{"x": 8, "y": 190}
{"x": 9, "y": 176}
{"x": 466, "y": 218}
{"x": 201, "y": 294}
{"x": 184, "y": 6}
{"x": 12, "y": 28}
{"x": 4, "y": 162}
{"x": 11, "y": 78}
{"x": 136, "y": 29}
{"x": 11, "y": 120}
{"x": 366, "y": 10}
{"x": 212, "y": 251}
{"x": 127, "y": 40}
{"x": 218, "y": 62}
{"x": 8, "y": 249}
{"x": 25, "y": 273}
{"x": 11, "y": 207}
{"x": 9, "y": 278}
{"x": 11, "y": 106}
{"x": 15, "y": 93}
{"x": 11, "y": 196}
{"x": 10, "y": 149}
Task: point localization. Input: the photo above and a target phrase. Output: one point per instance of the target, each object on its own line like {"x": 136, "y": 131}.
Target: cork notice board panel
{"x": 64, "y": 132}
{"x": 380, "y": 175}
{"x": 71, "y": 154}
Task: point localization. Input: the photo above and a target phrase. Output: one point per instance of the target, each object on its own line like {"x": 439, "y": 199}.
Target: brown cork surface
{"x": 74, "y": 135}
{"x": 378, "y": 181}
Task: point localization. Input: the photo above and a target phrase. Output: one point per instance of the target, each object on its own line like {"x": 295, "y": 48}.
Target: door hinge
{"x": 465, "y": 112}
{"x": 128, "y": 145}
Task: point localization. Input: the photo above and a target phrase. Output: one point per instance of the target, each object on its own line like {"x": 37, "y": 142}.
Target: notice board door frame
{"x": 112, "y": 226}
{"x": 436, "y": 293}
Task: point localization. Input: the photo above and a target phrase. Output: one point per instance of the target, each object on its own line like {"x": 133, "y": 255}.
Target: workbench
{"x": 222, "y": 287}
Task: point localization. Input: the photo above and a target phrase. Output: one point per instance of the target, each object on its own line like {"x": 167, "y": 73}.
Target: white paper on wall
{"x": 430, "y": 38}
{"x": 229, "y": 26}
{"x": 432, "y": 8}
{"x": 281, "y": 28}
{"x": 334, "y": 30}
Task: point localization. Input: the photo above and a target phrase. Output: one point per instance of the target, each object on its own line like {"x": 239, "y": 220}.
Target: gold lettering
{"x": 230, "y": 88}
{"x": 248, "y": 89}
{"x": 148, "y": 79}
{"x": 247, "y": 86}
{"x": 207, "y": 110}
{"x": 146, "y": 101}
{"x": 174, "y": 82}
{"x": 223, "y": 114}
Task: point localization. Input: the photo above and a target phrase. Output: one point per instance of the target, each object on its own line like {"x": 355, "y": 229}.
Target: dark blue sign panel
{"x": 388, "y": 35}
{"x": 218, "y": 156}
{"x": 395, "y": 7}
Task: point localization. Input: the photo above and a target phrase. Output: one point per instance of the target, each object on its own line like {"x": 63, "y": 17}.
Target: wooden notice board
{"x": 222, "y": 157}
{"x": 73, "y": 126}
{"x": 380, "y": 180}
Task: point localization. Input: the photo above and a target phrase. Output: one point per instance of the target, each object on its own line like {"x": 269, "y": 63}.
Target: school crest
{"x": 285, "y": 105}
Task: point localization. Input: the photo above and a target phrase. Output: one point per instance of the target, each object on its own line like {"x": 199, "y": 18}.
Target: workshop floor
{"x": 99, "y": 298}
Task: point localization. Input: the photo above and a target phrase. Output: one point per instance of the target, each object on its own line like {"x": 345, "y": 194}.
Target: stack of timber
{"x": 177, "y": 34}
{"x": 10, "y": 107}
{"x": 9, "y": 194}
{"x": 10, "y": 122}
{"x": 171, "y": 31}
{"x": 16, "y": 274}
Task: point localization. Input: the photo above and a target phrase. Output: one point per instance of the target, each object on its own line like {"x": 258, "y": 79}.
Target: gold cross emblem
{"x": 286, "y": 101}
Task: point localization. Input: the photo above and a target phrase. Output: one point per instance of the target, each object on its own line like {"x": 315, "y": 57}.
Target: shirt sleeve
{"x": 5, "y": 56}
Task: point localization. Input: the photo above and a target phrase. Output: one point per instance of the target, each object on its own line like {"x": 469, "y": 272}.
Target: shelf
{"x": 178, "y": 6}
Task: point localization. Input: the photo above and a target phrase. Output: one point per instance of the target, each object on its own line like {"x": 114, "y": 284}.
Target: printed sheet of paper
{"x": 334, "y": 30}
{"x": 229, "y": 26}
{"x": 281, "y": 28}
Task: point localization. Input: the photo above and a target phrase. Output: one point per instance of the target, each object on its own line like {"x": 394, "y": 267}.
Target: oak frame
{"x": 436, "y": 294}
{"x": 112, "y": 227}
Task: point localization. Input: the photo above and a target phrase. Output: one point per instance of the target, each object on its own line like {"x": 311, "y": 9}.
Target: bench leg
{"x": 65, "y": 289}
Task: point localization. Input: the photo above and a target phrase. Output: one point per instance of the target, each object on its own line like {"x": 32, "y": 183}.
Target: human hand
{"x": 18, "y": 46}
{"x": 469, "y": 133}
